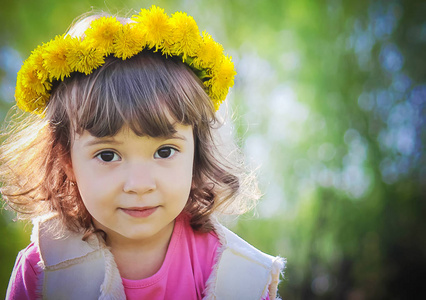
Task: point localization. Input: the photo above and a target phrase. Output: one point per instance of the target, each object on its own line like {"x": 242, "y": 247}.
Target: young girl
{"x": 120, "y": 170}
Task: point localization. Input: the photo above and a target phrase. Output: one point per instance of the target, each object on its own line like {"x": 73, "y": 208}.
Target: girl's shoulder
{"x": 201, "y": 246}
{"x": 57, "y": 244}
{"x": 203, "y": 240}
{"x": 25, "y": 281}
{"x": 29, "y": 259}
{"x": 30, "y": 254}
{"x": 230, "y": 267}
{"x": 241, "y": 268}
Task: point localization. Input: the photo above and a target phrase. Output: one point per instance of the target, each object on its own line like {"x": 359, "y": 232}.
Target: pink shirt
{"x": 183, "y": 275}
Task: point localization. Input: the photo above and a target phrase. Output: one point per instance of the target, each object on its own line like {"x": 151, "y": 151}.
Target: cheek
{"x": 179, "y": 179}
{"x": 85, "y": 194}
{"x": 91, "y": 190}
{"x": 187, "y": 171}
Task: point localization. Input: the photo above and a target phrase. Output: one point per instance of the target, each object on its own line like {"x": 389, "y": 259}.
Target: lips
{"x": 139, "y": 212}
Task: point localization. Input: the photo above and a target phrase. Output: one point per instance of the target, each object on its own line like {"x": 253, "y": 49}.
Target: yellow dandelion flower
{"x": 222, "y": 79}
{"x": 166, "y": 50}
{"x": 130, "y": 40}
{"x": 102, "y": 32}
{"x": 155, "y": 24}
{"x": 140, "y": 18}
{"x": 83, "y": 58}
{"x": 36, "y": 59}
{"x": 28, "y": 78}
{"x": 209, "y": 54}
{"x": 24, "y": 97}
{"x": 55, "y": 58}
{"x": 39, "y": 103}
{"x": 217, "y": 103}
{"x": 186, "y": 38}
{"x": 28, "y": 100}
{"x": 175, "y": 36}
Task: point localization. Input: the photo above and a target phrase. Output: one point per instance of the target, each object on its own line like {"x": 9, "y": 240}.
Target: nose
{"x": 140, "y": 179}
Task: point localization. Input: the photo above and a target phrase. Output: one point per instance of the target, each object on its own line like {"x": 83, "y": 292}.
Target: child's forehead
{"x": 181, "y": 132}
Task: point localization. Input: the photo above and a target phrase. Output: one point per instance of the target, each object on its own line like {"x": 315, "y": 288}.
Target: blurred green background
{"x": 329, "y": 102}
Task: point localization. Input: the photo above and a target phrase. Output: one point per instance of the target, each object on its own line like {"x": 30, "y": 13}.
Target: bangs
{"x": 148, "y": 93}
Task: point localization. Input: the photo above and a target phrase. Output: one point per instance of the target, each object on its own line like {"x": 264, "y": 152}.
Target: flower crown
{"x": 177, "y": 35}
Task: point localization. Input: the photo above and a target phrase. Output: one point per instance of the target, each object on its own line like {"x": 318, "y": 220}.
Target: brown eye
{"x": 108, "y": 156}
{"x": 165, "y": 152}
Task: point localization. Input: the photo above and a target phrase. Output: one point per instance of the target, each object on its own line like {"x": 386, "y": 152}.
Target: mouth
{"x": 139, "y": 212}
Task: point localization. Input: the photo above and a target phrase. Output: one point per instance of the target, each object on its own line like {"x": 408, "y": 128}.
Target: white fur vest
{"x": 87, "y": 270}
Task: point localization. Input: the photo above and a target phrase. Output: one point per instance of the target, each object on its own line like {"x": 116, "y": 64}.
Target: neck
{"x": 139, "y": 259}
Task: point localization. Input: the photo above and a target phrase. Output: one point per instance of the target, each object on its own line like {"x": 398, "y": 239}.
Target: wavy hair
{"x": 142, "y": 92}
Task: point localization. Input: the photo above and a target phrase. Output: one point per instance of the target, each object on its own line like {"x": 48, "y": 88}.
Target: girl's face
{"x": 134, "y": 187}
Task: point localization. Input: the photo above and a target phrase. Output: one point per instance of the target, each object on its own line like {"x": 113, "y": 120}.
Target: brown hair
{"x": 142, "y": 93}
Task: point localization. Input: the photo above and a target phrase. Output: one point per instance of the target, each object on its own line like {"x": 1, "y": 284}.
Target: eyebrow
{"x": 99, "y": 141}
{"x": 175, "y": 136}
